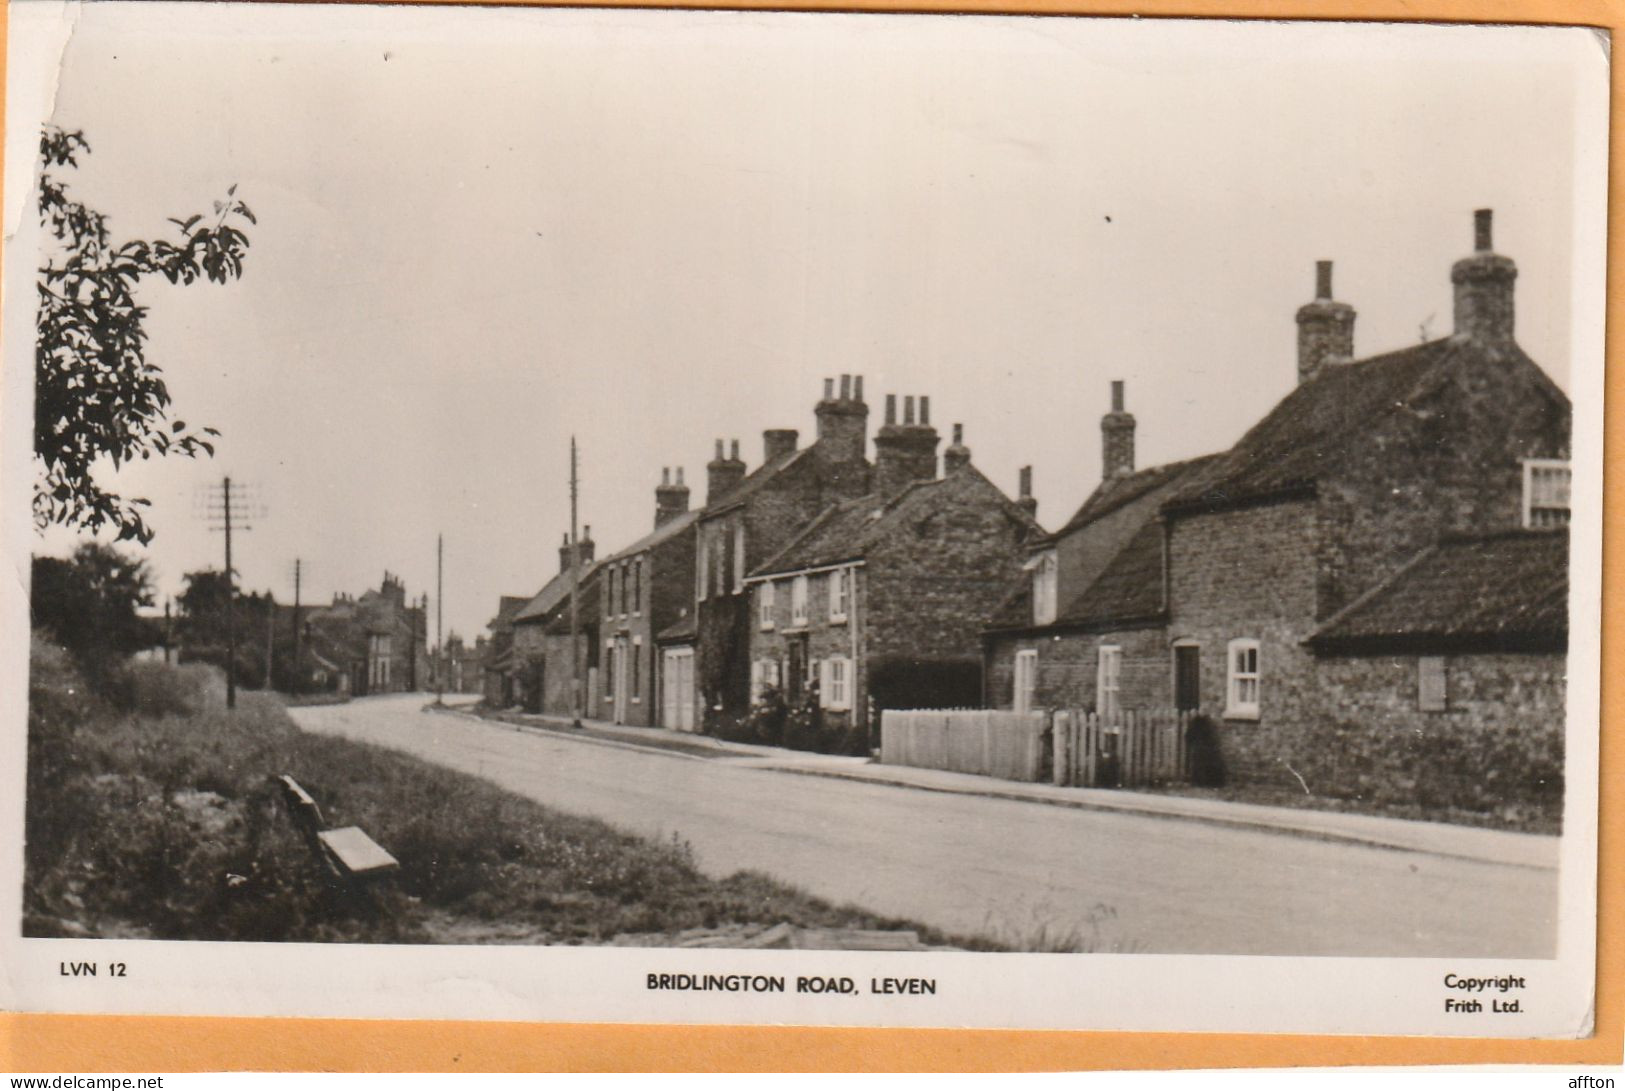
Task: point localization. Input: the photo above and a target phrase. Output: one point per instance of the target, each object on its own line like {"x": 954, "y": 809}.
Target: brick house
{"x": 643, "y": 589}
{"x": 498, "y": 664}
{"x": 1240, "y": 559}
{"x": 747, "y": 518}
{"x": 544, "y": 674}
{"x": 379, "y": 640}
{"x": 881, "y": 600}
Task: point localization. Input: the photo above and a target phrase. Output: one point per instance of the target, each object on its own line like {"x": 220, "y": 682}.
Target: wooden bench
{"x": 347, "y": 853}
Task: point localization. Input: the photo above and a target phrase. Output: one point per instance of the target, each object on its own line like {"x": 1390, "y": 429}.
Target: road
{"x": 1025, "y": 873}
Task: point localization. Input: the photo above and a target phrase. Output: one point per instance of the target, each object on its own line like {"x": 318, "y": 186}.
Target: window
{"x": 1242, "y": 692}
{"x": 739, "y": 558}
{"x": 764, "y": 605}
{"x": 1044, "y": 587}
{"x": 1108, "y": 679}
{"x": 1432, "y": 684}
{"x": 1545, "y": 492}
{"x": 609, "y": 670}
{"x": 764, "y": 673}
{"x": 637, "y": 586}
{"x": 637, "y": 668}
{"x": 798, "y": 602}
{"x": 835, "y": 684}
{"x": 704, "y": 568}
{"x": 837, "y": 594}
{"x": 1026, "y": 680}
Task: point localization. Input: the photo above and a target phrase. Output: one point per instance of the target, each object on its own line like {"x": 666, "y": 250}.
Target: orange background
{"x": 60, "y": 1043}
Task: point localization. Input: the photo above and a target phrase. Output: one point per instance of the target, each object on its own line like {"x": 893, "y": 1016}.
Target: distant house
{"x": 500, "y": 682}
{"x": 379, "y": 640}
{"x": 544, "y": 668}
{"x": 458, "y": 667}
{"x": 881, "y": 600}
{"x": 643, "y": 589}
{"x": 1216, "y": 584}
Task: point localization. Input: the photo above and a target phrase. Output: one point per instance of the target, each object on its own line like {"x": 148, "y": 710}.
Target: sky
{"x": 483, "y": 231}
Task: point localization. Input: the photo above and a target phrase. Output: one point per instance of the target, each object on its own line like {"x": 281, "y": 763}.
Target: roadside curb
{"x": 1230, "y": 821}
{"x": 1138, "y": 808}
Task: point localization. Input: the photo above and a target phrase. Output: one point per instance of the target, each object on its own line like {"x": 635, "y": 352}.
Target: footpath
{"x": 1502, "y": 847}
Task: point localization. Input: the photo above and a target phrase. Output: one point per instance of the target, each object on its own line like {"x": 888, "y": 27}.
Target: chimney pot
{"x": 733, "y": 451}
{"x": 1325, "y": 328}
{"x": 925, "y": 409}
{"x": 857, "y": 388}
{"x": 846, "y": 388}
{"x": 665, "y": 475}
{"x": 1484, "y": 288}
{"x": 829, "y": 390}
{"x": 1026, "y": 482}
{"x": 891, "y": 408}
{"x": 679, "y": 475}
{"x": 719, "y": 450}
{"x": 908, "y": 409}
{"x": 1117, "y": 395}
{"x": 959, "y": 434}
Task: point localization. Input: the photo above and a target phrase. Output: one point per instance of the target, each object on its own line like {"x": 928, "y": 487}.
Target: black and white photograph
{"x": 768, "y": 517}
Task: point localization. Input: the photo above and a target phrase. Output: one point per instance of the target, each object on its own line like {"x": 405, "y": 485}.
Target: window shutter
{"x": 823, "y": 683}
{"x": 1432, "y": 684}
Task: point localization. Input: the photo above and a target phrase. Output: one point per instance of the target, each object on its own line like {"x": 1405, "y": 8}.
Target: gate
{"x": 1122, "y": 750}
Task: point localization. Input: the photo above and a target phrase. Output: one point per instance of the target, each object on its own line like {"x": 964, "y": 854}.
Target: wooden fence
{"x": 1125, "y": 750}
{"x": 1010, "y": 745}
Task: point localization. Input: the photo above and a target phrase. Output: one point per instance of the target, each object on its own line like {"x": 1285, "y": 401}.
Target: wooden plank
{"x": 356, "y": 853}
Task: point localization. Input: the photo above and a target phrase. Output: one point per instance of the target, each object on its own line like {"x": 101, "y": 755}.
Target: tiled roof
{"x": 552, "y": 594}
{"x": 1501, "y": 591}
{"x": 684, "y": 628}
{"x": 1111, "y": 495}
{"x": 845, "y": 532}
{"x": 507, "y": 607}
{"x": 587, "y": 606}
{"x": 665, "y": 531}
{"x": 1130, "y": 587}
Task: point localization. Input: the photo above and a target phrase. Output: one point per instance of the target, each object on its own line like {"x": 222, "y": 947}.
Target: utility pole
{"x": 270, "y": 637}
{"x": 169, "y": 631}
{"x": 231, "y": 613}
{"x": 440, "y": 619}
{"x": 298, "y": 669}
{"x": 226, "y": 507}
{"x": 575, "y": 581}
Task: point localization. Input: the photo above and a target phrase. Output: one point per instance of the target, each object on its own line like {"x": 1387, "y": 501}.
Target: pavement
{"x": 1491, "y": 846}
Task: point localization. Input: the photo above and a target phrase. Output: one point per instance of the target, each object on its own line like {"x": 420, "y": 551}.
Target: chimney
{"x": 1027, "y": 502}
{"x": 957, "y": 454}
{"x": 586, "y": 545}
{"x": 671, "y": 498}
{"x": 723, "y": 473}
{"x": 1117, "y": 438}
{"x": 1483, "y": 283}
{"x": 778, "y": 442}
{"x": 843, "y": 427}
{"x": 564, "y": 554}
{"x": 1325, "y": 328}
{"x": 906, "y": 452}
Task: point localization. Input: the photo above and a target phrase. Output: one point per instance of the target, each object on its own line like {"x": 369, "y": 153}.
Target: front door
{"x": 621, "y": 664}
{"x": 1026, "y": 680}
{"x": 1187, "y": 677}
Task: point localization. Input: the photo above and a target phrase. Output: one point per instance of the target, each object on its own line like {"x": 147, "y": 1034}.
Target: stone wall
{"x": 1496, "y": 749}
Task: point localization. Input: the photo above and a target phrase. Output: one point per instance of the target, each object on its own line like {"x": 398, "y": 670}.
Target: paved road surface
{"x": 1013, "y": 870}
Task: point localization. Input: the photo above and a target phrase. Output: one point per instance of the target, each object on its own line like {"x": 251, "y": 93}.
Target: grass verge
{"x": 151, "y": 812}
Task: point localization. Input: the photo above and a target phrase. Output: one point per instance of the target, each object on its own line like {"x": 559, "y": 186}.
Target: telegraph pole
{"x": 440, "y": 619}
{"x": 223, "y": 508}
{"x": 575, "y": 580}
{"x": 270, "y": 637}
{"x": 231, "y": 613}
{"x": 298, "y": 669}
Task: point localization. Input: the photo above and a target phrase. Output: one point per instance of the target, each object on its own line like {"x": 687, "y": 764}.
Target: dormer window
{"x": 1045, "y": 591}
{"x": 1545, "y": 492}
